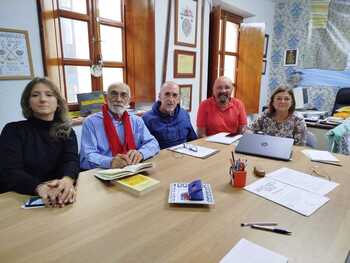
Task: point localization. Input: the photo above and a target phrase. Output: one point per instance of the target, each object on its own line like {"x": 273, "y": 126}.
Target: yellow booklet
{"x": 138, "y": 184}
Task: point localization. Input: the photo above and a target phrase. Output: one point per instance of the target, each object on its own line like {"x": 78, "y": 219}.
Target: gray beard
{"x": 117, "y": 110}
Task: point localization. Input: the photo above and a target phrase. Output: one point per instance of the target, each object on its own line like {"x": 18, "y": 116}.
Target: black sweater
{"x": 29, "y": 156}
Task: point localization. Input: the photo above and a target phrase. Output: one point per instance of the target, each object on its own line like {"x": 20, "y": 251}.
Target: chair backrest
{"x": 311, "y": 139}
{"x": 341, "y": 99}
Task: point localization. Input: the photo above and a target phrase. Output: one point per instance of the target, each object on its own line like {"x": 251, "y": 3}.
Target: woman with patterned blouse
{"x": 280, "y": 119}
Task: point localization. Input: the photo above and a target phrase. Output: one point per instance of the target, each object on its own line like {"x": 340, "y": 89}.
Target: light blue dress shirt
{"x": 95, "y": 151}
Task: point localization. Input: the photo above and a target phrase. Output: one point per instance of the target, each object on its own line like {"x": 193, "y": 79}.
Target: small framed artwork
{"x": 291, "y": 57}
{"x": 184, "y": 64}
{"x": 15, "y": 57}
{"x": 186, "y": 96}
{"x": 266, "y": 45}
{"x": 186, "y": 22}
{"x": 264, "y": 67}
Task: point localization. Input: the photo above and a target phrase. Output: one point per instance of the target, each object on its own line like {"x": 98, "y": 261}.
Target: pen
{"x": 233, "y": 156}
{"x": 325, "y": 162}
{"x": 272, "y": 229}
{"x": 259, "y": 224}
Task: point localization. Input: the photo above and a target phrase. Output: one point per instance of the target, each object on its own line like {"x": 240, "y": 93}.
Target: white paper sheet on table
{"x": 304, "y": 181}
{"x": 202, "y": 152}
{"x": 248, "y": 252}
{"x": 299, "y": 200}
{"x": 222, "y": 138}
{"x": 316, "y": 155}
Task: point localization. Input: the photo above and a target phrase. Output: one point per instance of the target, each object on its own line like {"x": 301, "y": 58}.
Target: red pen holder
{"x": 239, "y": 179}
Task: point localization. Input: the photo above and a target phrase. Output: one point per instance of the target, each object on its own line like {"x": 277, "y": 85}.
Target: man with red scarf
{"x": 113, "y": 138}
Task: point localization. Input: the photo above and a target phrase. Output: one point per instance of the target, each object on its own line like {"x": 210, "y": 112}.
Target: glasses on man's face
{"x": 115, "y": 94}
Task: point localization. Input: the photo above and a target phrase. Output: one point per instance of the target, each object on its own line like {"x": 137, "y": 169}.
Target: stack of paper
{"x": 300, "y": 192}
{"x": 117, "y": 173}
{"x": 248, "y": 252}
{"x": 223, "y": 138}
{"x": 320, "y": 156}
{"x": 138, "y": 184}
{"x": 193, "y": 150}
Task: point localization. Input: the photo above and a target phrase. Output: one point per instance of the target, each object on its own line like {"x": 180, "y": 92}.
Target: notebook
{"x": 266, "y": 146}
{"x": 117, "y": 173}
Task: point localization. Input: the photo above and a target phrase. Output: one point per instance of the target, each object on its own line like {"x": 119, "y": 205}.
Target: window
{"x": 77, "y": 34}
{"x": 224, "y": 46}
{"x": 228, "y": 45}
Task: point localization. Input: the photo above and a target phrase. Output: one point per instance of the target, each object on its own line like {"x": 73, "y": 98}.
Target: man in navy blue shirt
{"x": 167, "y": 121}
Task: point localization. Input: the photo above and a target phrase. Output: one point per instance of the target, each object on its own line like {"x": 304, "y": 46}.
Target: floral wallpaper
{"x": 290, "y": 31}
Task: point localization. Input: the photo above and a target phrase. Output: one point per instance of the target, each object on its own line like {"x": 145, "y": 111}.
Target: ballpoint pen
{"x": 272, "y": 229}
{"x": 259, "y": 224}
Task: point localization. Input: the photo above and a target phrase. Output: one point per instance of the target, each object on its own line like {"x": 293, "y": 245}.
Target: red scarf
{"x": 112, "y": 135}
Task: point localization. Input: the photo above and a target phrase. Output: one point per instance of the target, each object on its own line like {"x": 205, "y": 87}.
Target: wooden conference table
{"x": 107, "y": 224}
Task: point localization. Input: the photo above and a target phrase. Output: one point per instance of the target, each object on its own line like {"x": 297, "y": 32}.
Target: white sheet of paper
{"x": 222, "y": 138}
{"x": 304, "y": 181}
{"x": 202, "y": 152}
{"x": 317, "y": 155}
{"x": 248, "y": 252}
{"x": 294, "y": 198}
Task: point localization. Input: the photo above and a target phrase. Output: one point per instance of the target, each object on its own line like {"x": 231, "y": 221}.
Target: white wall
{"x": 19, "y": 14}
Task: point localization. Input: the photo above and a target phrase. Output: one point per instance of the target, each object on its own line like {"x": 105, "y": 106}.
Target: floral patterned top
{"x": 293, "y": 127}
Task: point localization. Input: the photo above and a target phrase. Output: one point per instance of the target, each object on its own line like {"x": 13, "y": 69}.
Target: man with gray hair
{"x": 113, "y": 138}
{"x": 167, "y": 121}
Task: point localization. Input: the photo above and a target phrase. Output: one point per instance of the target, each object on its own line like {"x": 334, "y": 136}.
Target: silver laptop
{"x": 266, "y": 146}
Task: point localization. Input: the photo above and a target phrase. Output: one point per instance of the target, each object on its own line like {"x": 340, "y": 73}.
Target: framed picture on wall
{"x": 291, "y": 57}
{"x": 186, "y": 22}
{"x": 15, "y": 57}
{"x": 186, "y": 96}
{"x": 266, "y": 45}
{"x": 184, "y": 64}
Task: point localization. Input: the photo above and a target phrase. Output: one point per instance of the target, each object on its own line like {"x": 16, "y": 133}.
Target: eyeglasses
{"x": 190, "y": 147}
{"x": 114, "y": 94}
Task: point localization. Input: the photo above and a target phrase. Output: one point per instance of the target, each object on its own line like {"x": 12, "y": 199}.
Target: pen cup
{"x": 239, "y": 179}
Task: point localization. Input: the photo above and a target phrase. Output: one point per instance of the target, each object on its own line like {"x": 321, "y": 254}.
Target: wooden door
{"x": 214, "y": 36}
{"x": 251, "y": 45}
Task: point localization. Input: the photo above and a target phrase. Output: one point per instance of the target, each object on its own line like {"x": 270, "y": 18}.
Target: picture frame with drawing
{"x": 186, "y": 97}
{"x": 184, "y": 64}
{"x": 186, "y": 13}
{"x": 15, "y": 55}
{"x": 291, "y": 57}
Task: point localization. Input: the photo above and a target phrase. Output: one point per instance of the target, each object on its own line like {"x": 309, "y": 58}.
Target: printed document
{"x": 304, "y": 181}
{"x": 297, "y": 199}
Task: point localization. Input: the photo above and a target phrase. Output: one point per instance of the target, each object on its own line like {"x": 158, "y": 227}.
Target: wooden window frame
{"x": 227, "y": 16}
{"x": 138, "y": 29}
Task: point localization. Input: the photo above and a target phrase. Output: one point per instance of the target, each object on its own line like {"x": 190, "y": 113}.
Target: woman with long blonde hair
{"x": 39, "y": 156}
